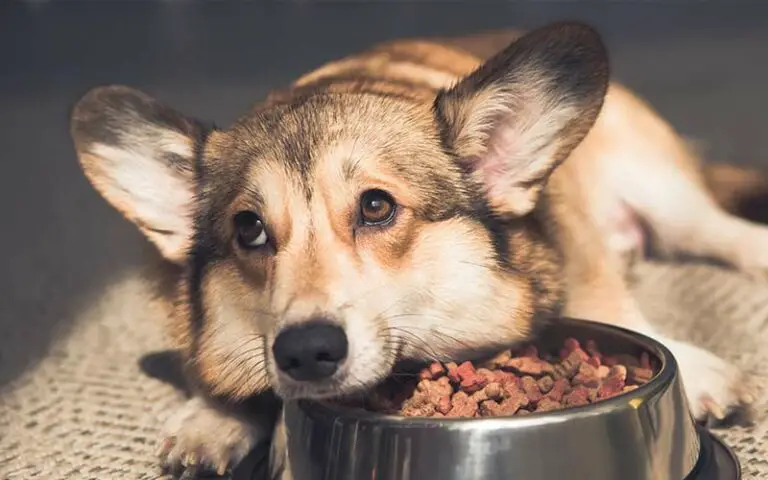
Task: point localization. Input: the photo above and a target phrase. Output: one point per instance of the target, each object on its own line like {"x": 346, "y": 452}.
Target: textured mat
{"x": 87, "y": 411}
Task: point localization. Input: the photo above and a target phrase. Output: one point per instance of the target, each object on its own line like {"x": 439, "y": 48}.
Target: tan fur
{"x": 570, "y": 181}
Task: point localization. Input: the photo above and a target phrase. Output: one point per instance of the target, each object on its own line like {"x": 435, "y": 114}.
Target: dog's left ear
{"x": 521, "y": 113}
{"x": 140, "y": 155}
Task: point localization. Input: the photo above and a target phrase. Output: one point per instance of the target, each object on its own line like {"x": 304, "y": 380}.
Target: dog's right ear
{"x": 518, "y": 116}
{"x": 140, "y": 156}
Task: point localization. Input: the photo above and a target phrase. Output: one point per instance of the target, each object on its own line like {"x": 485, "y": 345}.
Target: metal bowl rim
{"x": 661, "y": 380}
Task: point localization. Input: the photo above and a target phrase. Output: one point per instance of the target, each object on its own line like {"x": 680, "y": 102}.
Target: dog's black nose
{"x": 311, "y": 351}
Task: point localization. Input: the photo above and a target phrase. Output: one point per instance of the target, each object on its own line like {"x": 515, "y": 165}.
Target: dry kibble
{"x": 545, "y": 384}
{"x": 577, "y": 397}
{"x": 453, "y": 372}
{"x": 559, "y": 388}
{"x": 479, "y": 396}
{"x": 494, "y": 391}
{"x": 444, "y": 405}
{"x": 639, "y": 375}
{"x": 569, "y": 366}
{"x": 515, "y": 383}
{"x": 547, "y": 405}
{"x": 531, "y": 389}
{"x": 462, "y": 406}
{"x": 587, "y": 376}
{"x": 530, "y": 366}
{"x": 498, "y": 361}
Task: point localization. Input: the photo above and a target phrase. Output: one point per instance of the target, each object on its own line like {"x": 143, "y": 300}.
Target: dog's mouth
{"x": 352, "y": 380}
{"x": 346, "y": 386}
{"x": 341, "y": 387}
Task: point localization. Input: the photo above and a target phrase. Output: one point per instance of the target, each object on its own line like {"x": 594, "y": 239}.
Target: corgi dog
{"x": 424, "y": 199}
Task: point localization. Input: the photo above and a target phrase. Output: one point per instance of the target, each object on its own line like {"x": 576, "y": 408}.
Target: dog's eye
{"x": 250, "y": 230}
{"x": 377, "y": 207}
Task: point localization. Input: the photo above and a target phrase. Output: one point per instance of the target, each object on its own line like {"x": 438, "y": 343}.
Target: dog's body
{"x": 390, "y": 212}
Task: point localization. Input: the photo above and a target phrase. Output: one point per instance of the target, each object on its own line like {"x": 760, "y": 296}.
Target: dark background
{"x": 702, "y": 64}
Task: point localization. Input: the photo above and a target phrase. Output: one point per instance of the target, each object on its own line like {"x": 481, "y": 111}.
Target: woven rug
{"x": 88, "y": 411}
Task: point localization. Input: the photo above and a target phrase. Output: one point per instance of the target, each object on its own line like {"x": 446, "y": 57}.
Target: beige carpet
{"x": 86, "y": 411}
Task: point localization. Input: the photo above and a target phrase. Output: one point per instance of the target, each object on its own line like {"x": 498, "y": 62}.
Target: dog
{"x": 423, "y": 199}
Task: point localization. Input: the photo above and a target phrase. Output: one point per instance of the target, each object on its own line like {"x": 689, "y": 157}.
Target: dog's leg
{"x": 641, "y": 164}
{"x": 696, "y": 226}
{"x": 207, "y": 436}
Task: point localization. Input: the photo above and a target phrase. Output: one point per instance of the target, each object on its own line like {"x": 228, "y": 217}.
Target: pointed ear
{"x": 140, "y": 156}
{"x": 519, "y": 115}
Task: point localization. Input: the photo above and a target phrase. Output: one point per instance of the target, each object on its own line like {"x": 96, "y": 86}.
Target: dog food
{"x": 514, "y": 383}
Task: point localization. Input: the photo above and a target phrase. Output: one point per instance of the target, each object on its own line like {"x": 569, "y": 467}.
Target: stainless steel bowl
{"x": 646, "y": 434}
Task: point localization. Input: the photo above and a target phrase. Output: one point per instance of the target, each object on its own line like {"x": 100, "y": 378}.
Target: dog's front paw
{"x": 201, "y": 438}
{"x": 716, "y": 389}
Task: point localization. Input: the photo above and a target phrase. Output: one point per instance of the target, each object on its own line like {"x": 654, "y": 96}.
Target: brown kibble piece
{"x": 479, "y": 396}
{"x": 569, "y": 366}
{"x": 444, "y": 405}
{"x": 577, "y": 397}
{"x": 487, "y": 374}
{"x": 466, "y": 370}
{"x": 498, "y": 361}
{"x": 545, "y": 384}
{"x": 618, "y": 371}
{"x": 418, "y": 406}
{"x": 425, "y": 410}
{"x": 587, "y": 376}
{"x": 489, "y": 408}
{"x": 614, "y": 383}
{"x": 639, "y": 375}
{"x": 436, "y": 369}
{"x": 504, "y": 377}
{"x": 453, "y": 372}
{"x": 434, "y": 389}
{"x": 462, "y": 406}
{"x": 548, "y": 405}
{"x": 494, "y": 391}
{"x": 530, "y": 366}
{"x": 531, "y": 389}
{"x": 473, "y": 384}
{"x": 559, "y": 388}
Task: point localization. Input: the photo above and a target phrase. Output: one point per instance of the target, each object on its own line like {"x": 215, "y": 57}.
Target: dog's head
{"x": 327, "y": 237}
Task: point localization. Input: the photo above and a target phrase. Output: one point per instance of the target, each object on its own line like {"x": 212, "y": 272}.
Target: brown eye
{"x": 377, "y": 207}
{"x": 250, "y": 230}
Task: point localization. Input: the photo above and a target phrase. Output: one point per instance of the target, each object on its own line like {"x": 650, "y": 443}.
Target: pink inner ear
{"x": 521, "y": 142}
{"x": 495, "y": 167}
